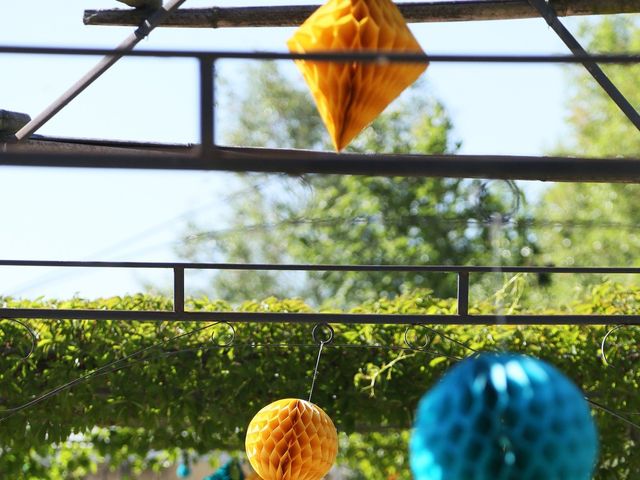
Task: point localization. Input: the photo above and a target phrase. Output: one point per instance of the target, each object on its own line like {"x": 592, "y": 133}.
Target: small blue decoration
{"x": 229, "y": 471}
{"x": 503, "y": 417}
{"x": 183, "y": 471}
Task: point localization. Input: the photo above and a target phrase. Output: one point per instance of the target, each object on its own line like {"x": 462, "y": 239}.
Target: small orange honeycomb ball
{"x": 291, "y": 439}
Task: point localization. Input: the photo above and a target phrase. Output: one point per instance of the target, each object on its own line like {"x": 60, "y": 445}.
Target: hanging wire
{"x": 403, "y": 219}
{"x": 614, "y": 413}
{"x": 134, "y": 238}
{"x": 486, "y": 215}
{"x": 322, "y": 342}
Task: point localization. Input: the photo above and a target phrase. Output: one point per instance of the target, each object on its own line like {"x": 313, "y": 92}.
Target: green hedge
{"x": 192, "y": 394}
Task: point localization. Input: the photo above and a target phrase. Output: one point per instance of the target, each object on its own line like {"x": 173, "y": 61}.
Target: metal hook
{"x": 412, "y": 345}
{"x": 328, "y": 328}
{"x": 220, "y": 340}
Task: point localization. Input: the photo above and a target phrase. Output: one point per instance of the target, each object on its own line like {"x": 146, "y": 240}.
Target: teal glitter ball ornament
{"x": 503, "y": 417}
{"x": 183, "y": 471}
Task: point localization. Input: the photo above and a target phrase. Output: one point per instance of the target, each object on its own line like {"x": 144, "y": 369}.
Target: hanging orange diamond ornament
{"x": 350, "y": 95}
{"x": 291, "y": 439}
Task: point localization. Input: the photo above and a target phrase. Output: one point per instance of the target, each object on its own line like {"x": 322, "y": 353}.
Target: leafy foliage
{"x": 350, "y": 219}
{"x": 599, "y": 128}
{"x": 189, "y": 392}
{"x": 597, "y": 223}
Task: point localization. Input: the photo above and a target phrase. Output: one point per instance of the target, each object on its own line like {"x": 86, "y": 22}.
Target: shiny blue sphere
{"x": 183, "y": 471}
{"x": 503, "y": 417}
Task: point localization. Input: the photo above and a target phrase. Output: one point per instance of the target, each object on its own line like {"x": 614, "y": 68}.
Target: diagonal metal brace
{"x": 155, "y": 19}
{"x": 551, "y": 17}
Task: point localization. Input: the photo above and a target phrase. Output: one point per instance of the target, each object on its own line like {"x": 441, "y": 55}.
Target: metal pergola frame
{"x": 29, "y": 150}
{"x": 26, "y": 149}
{"x": 293, "y": 15}
{"x": 462, "y": 317}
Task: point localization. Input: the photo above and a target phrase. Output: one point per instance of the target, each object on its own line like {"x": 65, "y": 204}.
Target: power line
{"x": 110, "y": 250}
{"x": 318, "y": 222}
{"x": 329, "y": 221}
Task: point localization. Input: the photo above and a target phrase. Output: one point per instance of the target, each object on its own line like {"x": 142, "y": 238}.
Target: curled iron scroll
{"x": 603, "y": 346}
{"x": 221, "y": 338}
{"x": 429, "y": 337}
{"x": 316, "y": 332}
{"x": 8, "y": 348}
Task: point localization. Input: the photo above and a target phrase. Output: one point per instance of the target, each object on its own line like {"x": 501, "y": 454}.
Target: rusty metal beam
{"x": 420, "y": 12}
{"x": 133, "y": 155}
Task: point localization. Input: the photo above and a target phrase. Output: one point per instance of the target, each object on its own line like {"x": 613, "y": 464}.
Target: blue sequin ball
{"x": 503, "y": 417}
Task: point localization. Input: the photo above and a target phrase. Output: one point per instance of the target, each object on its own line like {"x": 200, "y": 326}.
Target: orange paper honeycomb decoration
{"x": 349, "y": 96}
{"x": 291, "y": 439}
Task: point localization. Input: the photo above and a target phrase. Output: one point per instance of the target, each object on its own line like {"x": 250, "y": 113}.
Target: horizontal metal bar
{"x": 320, "y": 268}
{"x": 293, "y": 15}
{"x": 363, "y": 56}
{"x": 297, "y": 162}
{"x": 343, "y": 318}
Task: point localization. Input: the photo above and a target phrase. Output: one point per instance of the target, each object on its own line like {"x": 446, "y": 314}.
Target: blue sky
{"x": 111, "y": 215}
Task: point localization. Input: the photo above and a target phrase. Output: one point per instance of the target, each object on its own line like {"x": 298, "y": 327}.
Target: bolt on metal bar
{"x": 551, "y": 17}
{"x": 463, "y": 293}
{"x": 207, "y": 107}
{"x": 178, "y": 289}
{"x": 105, "y": 64}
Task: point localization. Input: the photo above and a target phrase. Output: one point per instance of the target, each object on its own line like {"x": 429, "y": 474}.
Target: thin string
{"x": 315, "y": 370}
{"x": 322, "y": 341}
{"x": 614, "y": 413}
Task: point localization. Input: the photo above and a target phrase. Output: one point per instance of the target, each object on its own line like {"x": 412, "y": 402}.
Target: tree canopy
{"x": 597, "y": 223}
{"x": 349, "y": 219}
